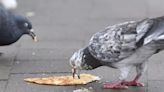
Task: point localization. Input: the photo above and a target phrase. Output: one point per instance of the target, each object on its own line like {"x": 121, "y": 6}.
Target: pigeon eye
{"x": 26, "y": 24}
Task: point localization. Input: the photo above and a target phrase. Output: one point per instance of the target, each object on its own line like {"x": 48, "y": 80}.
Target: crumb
{"x": 51, "y": 52}
{"x": 90, "y": 88}
{"x": 30, "y": 14}
{"x": 33, "y": 53}
{"x": 43, "y": 74}
{"x": 17, "y": 62}
{"x": 82, "y": 90}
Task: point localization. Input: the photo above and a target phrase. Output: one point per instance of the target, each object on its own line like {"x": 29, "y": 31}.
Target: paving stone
{"x": 155, "y": 8}
{"x": 68, "y": 33}
{"x": 155, "y": 67}
{"x": 4, "y": 72}
{"x": 41, "y": 67}
{"x": 6, "y": 60}
{"x": 44, "y": 54}
{"x": 118, "y": 9}
{"x": 2, "y": 86}
{"x": 155, "y": 86}
{"x": 52, "y": 44}
{"x": 111, "y": 75}
{"x": 97, "y": 87}
{"x": 64, "y": 12}
{"x": 16, "y": 84}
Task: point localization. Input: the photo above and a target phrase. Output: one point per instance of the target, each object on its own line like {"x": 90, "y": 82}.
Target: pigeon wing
{"x": 118, "y": 41}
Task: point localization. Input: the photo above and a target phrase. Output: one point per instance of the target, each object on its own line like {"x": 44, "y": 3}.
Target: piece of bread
{"x": 64, "y": 80}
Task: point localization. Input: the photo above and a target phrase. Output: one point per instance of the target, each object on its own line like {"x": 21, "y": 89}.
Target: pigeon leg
{"x": 133, "y": 83}
{"x": 119, "y": 85}
{"x": 75, "y": 72}
{"x": 140, "y": 70}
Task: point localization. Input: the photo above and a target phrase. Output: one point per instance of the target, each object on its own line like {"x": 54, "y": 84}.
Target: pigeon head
{"x": 83, "y": 60}
{"x": 25, "y": 26}
{"x": 76, "y": 62}
{"x": 76, "y": 59}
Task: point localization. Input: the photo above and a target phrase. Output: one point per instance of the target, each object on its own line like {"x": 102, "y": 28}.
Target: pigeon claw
{"x": 133, "y": 83}
{"x": 73, "y": 72}
{"x": 78, "y": 76}
{"x": 73, "y": 75}
{"x": 114, "y": 86}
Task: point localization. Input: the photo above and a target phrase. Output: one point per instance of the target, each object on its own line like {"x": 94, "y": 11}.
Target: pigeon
{"x": 13, "y": 26}
{"x": 9, "y": 4}
{"x": 122, "y": 46}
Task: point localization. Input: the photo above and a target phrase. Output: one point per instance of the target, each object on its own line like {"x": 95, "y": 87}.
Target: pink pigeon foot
{"x": 114, "y": 86}
{"x": 132, "y": 83}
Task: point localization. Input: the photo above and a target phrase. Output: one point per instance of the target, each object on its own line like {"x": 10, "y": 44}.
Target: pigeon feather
{"x": 118, "y": 41}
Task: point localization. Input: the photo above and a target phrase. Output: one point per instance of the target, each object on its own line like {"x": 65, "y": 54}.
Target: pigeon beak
{"x": 32, "y": 34}
{"x": 74, "y": 72}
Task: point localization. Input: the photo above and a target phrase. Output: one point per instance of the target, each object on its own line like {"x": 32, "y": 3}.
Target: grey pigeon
{"x": 13, "y": 26}
{"x": 122, "y": 46}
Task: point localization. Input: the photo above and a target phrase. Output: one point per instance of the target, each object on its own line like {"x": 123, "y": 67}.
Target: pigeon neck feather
{"x": 89, "y": 61}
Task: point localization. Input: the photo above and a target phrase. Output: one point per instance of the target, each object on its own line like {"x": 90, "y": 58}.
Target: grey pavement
{"x": 63, "y": 26}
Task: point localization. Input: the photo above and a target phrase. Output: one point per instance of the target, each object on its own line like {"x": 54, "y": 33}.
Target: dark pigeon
{"x": 13, "y": 26}
{"x": 122, "y": 46}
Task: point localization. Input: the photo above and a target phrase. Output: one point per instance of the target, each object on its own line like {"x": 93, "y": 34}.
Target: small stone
{"x": 51, "y": 52}
{"x": 17, "y": 62}
{"x": 82, "y": 90}
{"x": 30, "y": 14}
{"x": 33, "y": 53}
{"x": 90, "y": 87}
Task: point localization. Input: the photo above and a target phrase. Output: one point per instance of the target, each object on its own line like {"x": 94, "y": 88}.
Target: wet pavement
{"x": 63, "y": 26}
